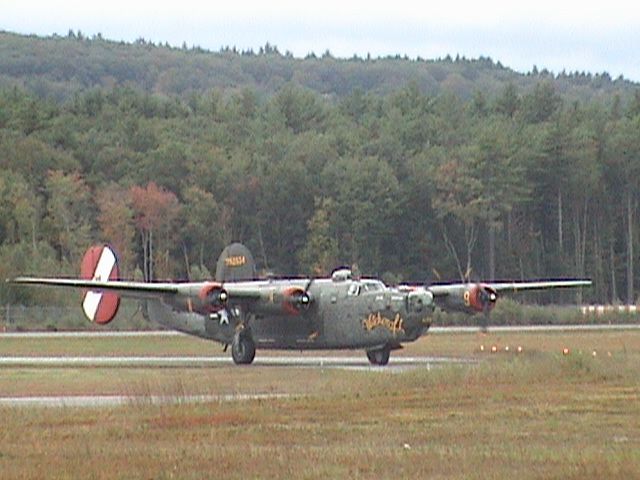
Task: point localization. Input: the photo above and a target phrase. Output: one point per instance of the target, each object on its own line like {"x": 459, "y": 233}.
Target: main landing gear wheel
{"x": 243, "y": 349}
{"x": 379, "y": 356}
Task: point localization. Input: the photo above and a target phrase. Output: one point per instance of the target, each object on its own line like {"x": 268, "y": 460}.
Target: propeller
{"x": 487, "y": 298}
{"x": 217, "y": 297}
{"x": 298, "y": 300}
{"x": 213, "y": 296}
{"x": 305, "y": 297}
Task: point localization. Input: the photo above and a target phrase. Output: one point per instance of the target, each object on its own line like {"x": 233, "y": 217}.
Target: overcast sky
{"x": 573, "y": 36}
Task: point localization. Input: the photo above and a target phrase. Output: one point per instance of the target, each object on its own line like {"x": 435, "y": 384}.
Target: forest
{"x": 410, "y": 170}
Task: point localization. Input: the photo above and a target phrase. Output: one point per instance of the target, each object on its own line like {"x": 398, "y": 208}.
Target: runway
{"x": 341, "y": 360}
{"x": 538, "y": 328}
{"x": 432, "y": 330}
{"x": 345, "y": 362}
{"x": 396, "y": 364}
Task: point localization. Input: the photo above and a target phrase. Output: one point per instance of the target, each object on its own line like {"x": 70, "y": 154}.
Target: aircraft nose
{"x": 420, "y": 300}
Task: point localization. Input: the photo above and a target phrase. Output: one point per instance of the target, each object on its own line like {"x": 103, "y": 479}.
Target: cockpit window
{"x": 372, "y": 285}
{"x": 365, "y": 286}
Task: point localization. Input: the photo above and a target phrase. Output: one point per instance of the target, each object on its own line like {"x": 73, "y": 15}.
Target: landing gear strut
{"x": 243, "y": 349}
{"x": 379, "y": 356}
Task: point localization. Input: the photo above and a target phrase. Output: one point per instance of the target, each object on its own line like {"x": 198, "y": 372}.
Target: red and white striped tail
{"x": 100, "y": 264}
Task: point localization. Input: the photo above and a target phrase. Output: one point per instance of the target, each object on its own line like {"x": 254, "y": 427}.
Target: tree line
{"x": 406, "y": 185}
{"x": 57, "y": 67}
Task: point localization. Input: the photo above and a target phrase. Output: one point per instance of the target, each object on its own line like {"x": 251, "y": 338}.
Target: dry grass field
{"x": 537, "y": 414}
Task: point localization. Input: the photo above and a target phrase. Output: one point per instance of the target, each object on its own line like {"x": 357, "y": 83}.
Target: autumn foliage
{"x": 412, "y": 170}
{"x": 154, "y": 212}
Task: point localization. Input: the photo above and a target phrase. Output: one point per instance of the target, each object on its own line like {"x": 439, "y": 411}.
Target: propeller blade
{"x": 487, "y": 299}
{"x": 307, "y": 299}
{"x": 309, "y": 283}
{"x": 484, "y": 319}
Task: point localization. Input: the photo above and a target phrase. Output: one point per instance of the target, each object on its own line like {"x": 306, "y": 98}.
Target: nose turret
{"x": 420, "y": 301}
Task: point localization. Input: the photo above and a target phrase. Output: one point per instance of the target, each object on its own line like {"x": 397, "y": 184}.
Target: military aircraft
{"x": 340, "y": 312}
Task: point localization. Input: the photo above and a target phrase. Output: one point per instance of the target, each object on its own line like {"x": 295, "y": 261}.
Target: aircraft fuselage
{"x": 349, "y": 314}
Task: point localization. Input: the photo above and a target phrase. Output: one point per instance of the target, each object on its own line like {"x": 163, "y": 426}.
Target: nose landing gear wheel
{"x": 243, "y": 349}
{"x": 379, "y": 356}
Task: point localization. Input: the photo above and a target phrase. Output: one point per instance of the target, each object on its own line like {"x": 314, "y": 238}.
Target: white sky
{"x": 591, "y": 36}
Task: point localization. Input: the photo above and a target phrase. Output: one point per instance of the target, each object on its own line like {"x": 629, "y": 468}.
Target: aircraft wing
{"x": 126, "y": 289}
{"x": 99, "y": 278}
{"x": 244, "y": 291}
{"x": 541, "y": 285}
{"x": 237, "y": 291}
{"x": 444, "y": 290}
{"x": 481, "y": 297}
{"x": 283, "y": 297}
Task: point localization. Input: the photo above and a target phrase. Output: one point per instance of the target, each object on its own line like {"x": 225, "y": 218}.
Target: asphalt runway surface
{"x": 396, "y": 364}
{"x": 432, "y": 330}
{"x": 344, "y": 362}
{"x": 360, "y": 363}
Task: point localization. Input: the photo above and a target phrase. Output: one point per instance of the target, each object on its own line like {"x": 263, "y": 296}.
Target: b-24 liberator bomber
{"x": 236, "y": 309}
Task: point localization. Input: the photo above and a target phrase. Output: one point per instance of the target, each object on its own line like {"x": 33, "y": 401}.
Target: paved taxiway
{"x": 396, "y": 365}
{"x": 432, "y": 330}
{"x": 347, "y": 362}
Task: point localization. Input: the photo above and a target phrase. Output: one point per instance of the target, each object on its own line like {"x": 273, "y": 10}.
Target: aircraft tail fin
{"x": 235, "y": 264}
{"x": 100, "y": 263}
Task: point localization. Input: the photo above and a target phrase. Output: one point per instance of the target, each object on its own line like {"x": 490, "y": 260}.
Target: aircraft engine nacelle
{"x": 472, "y": 298}
{"x": 211, "y": 298}
{"x": 286, "y": 300}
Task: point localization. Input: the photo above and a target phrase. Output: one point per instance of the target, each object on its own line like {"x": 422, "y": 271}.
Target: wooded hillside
{"x": 414, "y": 170}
